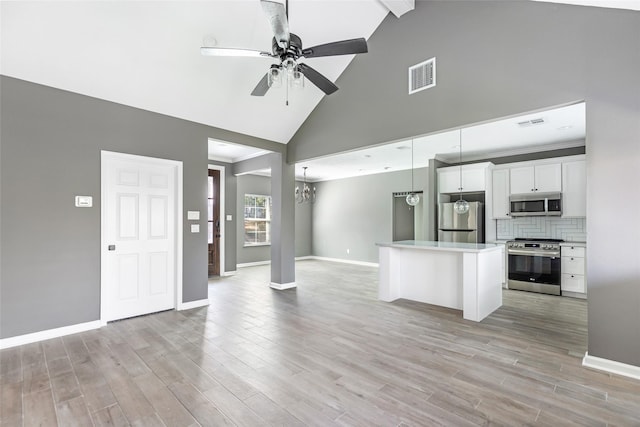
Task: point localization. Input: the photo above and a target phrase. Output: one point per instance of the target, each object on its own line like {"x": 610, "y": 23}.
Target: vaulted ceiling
{"x": 146, "y": 54}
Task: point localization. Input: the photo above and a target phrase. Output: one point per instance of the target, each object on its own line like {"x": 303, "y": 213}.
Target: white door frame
{"x": 103, "y": 242}
{"x": 223, "y": 216}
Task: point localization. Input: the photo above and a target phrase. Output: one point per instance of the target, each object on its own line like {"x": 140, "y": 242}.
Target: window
{"x": 257, "y": 220}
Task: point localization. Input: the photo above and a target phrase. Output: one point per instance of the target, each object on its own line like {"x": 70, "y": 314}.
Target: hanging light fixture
{"x": 306, "y": 194}
{"x": 412, "y": 198}
{"x": 461, "y": 206}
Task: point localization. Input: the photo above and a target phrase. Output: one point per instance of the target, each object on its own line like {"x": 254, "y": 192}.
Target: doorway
{"x": 141, "y": 268}
{"x": 213, "y": 222}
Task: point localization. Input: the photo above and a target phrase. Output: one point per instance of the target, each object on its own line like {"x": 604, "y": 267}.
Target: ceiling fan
{"x": 287, "y": 47}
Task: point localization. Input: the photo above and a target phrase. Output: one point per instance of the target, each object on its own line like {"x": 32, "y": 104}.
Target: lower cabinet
{"x": 573, "y": 269}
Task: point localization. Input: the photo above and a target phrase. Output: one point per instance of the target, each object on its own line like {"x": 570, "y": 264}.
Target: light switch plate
{"x": 84, "y": 201}
{"x": 193, "y": 215}
{"x": 229, "y": 218}
{"x": 195, "y": 228}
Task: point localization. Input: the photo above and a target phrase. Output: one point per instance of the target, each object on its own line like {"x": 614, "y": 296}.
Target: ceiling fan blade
{"x": 277, "y": 15}
{"x": 228, "y": 51}
{"x": 323, "y": 83}
{"x": 344, "y": 47}
{"x": 262, "y": 87}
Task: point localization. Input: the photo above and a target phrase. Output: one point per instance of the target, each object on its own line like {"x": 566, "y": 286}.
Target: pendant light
{"x": 412, "y": 198}
{"x": 461, "y": 206}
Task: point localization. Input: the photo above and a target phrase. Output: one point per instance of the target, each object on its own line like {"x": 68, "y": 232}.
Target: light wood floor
{"x": 326, "y": 353}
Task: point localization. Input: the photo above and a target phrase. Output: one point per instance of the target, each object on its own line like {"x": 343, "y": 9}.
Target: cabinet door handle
{"x": 572, "y": 276}
{"x": 572, "y": 259}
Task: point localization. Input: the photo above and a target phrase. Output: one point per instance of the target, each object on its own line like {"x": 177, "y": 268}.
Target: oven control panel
{"x": 534, "y": 245}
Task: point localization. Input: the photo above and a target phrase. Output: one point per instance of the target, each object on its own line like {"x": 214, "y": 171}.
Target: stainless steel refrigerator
{"x": 462, "y": 228}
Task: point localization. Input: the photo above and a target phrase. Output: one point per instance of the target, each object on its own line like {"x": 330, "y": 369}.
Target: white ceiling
{"x": 146, "y": 54}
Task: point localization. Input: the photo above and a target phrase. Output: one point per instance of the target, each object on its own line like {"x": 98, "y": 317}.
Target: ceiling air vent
{"x": 531, "y": 122}
{"x": 422, "y": 76}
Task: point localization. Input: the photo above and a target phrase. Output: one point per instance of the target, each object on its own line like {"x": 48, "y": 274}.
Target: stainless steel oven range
{"x": 534, "y": 265}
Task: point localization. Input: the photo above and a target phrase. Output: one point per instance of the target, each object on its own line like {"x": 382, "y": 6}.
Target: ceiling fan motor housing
{"x": 293, "y": 50}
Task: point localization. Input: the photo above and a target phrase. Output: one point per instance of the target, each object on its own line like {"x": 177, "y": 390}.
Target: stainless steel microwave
{"x": 535, "y": 204}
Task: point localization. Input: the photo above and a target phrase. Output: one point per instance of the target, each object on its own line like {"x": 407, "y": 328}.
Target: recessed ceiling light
{"x": 565, "y": 127}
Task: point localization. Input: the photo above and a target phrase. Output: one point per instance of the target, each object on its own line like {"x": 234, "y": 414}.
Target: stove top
{"x": 541, "y": 239}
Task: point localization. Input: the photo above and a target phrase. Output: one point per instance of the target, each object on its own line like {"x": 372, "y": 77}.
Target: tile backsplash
{"x": 570, "y": 229}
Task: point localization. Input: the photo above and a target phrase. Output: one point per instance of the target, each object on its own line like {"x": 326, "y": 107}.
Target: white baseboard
{"x": 229, "y": 273}
{"x": 48, "y": 334}
{"x": 346, "y": 261}
{"x": 282, "y": 286}
{"x": 253, "y": 264}
{"x": 611, "y": 366}
{"x": 193, "y": 304}
{"x": 312, "y": 257}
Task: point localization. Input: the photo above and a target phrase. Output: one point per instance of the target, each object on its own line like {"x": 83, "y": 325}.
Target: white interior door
{"x": 139, "y": 235}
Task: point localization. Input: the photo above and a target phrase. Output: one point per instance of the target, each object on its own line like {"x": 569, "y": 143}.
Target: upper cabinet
{"x": 574, "y": 184}
{"x": 539, "y": 178}
{"x": 473, "y": 178}
{"x": 500, "y": 201}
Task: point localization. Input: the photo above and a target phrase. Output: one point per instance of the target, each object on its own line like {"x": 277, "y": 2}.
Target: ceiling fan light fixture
{"x": 275, "y": 76}
{"x": 297, "y": 80}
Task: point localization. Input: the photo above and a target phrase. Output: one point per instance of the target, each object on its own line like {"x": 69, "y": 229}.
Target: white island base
{"x": 462, "y": 276}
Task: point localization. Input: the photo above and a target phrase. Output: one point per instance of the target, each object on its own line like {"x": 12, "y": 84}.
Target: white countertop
{"x": 443, "y": 246}
{"x": 578, "y": 244}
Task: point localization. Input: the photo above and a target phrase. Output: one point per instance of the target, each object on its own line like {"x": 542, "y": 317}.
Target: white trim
{"x": 346, "y": 261}
{"x": 282, "y": 286}
{"x": 253, "y": 264}
{"x": 193, "y": 304}
{"x": 611, "y": 366}
{"x": 229, "y": 273}
{"x": 223, "y": 214}
{"x": 48, "y": 334}
{"x": 312, "y": 257}
{"x": 104, "y": 154}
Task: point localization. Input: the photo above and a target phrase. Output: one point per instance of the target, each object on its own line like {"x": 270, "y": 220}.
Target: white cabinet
{"x": 473, "y": 178}
{"x": 500, "y": 194}
{"x": 574, "y": 185}
{"x": 572, "y": 265}
{"x": 540, "y": 178}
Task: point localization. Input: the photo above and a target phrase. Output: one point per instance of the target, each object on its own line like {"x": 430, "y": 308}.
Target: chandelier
{"x": 306, "y": 194}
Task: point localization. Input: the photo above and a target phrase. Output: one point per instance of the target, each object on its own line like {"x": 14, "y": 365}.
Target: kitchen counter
{"x": 443, "y": 246}
{"x": 462, "y": 276}
{"x": 577, "y": 244}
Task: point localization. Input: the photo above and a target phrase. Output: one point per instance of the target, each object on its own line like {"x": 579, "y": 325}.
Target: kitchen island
{"x": 462, "y": 276}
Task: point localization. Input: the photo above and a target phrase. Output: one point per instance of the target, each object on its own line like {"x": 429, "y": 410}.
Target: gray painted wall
{"x": 51, "y": 142}
{"x": 255, "y": 184}
{"x": 496, "y": 59}
{"x": 356, "y": 213}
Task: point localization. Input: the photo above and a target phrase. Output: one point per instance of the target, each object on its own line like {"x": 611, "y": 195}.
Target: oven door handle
{"x": 533, "y": 253}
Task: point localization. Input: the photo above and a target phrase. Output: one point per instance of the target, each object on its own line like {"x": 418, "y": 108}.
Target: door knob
{"x": 111, "y": 247}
